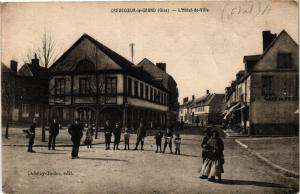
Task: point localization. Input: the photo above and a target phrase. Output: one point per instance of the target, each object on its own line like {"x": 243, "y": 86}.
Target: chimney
{"x": 193, "y": 97}
{"x": 35, "y": 61}
{"x": 207, "y": 91}
{"x": 268, "y": 37}
{"x": 162, "y": 66}
{"x": 186, "y": 99}
{"x": 14, "y": 66}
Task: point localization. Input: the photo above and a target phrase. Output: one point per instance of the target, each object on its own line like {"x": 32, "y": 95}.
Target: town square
{"x": 162, "y": 98}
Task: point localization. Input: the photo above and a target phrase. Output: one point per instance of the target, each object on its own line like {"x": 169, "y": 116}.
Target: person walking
{"x": 117, "y": 135}
{"x": 76, "y": 133}
{"x": 107, "y": 134}
{"x": 168, "y": 140}
{"x": 204, "y": 145}
{"x": 53, "y": 132}
{"x": 213, "y": 165}
{"x": 31, "y": 135}
{"x": 126, "y": 139}
{"x": 141, "y": 134}
{"x": 177, "y": 142}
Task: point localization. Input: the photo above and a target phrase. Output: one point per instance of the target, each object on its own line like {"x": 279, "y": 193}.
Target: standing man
{"x": 53, "y": 131}
{"x": 181, "y": 125}
{"x": 75, "y": 131}
{"x": 107, "y": 134}
{"x": 168, "y": 140}
{"x": 31, "y": 134}
{"x": 141, "y": 134}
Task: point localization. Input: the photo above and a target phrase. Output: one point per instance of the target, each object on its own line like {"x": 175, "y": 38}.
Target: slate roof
{"x": 125, "y": 64}
{"x": 31, "y": 70}
{"x": 5, "y": 69}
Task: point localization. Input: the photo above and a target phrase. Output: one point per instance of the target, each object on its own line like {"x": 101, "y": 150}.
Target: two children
{"x": 168, "y": 141}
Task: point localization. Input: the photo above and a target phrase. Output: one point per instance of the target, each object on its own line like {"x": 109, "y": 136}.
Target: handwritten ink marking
{"x": 251, "y": 9}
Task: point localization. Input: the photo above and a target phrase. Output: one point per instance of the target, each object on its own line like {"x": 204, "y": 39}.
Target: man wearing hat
{"x": 204, "y": 145}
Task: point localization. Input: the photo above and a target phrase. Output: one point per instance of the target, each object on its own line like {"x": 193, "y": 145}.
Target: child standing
{"x": 89, "y": 136}
{"x": 158, "y": 137}
{"x": 177, "y": 142}
{"x": 126, "y": 138}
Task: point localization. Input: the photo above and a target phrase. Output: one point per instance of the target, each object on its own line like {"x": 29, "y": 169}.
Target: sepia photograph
{"x": 190, "y": 97}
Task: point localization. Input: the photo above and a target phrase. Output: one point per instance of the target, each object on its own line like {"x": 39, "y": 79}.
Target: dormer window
{"x": 284, "y": 60}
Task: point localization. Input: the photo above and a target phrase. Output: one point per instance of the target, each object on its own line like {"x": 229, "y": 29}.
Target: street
{"x": 101, "y": 171}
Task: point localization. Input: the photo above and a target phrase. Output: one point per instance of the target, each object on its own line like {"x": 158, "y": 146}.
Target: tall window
{"x": 136, "y": 88}
{"x": 284, "y": 60}
{"x": 147, "y": 92}
{"x": 297, "y": 86}
{"x": 155, "y": 95}
{"x": 129, "y": 89}
{"x": 60, "y": 85}
{"x": 84, "y": 85}
{"x": 25, "y": 110}
{"x": 158, "y": 97}
{"x": 141, "y": 90}
{"x": 111, "y": 90}
{"x": 267, "y": 89}
{"x": 151, "y": 94}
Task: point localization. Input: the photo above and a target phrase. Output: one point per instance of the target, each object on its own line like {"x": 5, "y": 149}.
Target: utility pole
{"x": 131, "y": 45}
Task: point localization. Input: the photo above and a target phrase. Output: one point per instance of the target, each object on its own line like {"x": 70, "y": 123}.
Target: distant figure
{"x": 202, "y": 123}
{"x": 31, "y": 135}
{"x": 141, "y": 134}
{"x": 213, "y": 165}
{"x": 89, "y": 136}
{"x": 76, "y": 133}
{"x": 204, "y": 145}
{"x": 168, "y": 140}
{"x": 107, "y": 134}
{"x": 117, "y": 135}
{"x": 126, "y": 139}
{"x": 177, "y": 142}
{"x": 197, "y": 121}
{"x": 158, "y": 137}
{"x": 53, "y": 131}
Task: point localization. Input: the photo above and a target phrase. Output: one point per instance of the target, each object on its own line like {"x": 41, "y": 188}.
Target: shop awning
{"x": 243, "y": 106}
{"x": 231, "y": 109}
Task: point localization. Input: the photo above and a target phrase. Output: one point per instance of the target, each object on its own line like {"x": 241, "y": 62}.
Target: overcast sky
{"x": 202, "y": 50}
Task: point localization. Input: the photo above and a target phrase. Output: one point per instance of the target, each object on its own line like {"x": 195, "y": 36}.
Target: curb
{"x": 262, "y": 158}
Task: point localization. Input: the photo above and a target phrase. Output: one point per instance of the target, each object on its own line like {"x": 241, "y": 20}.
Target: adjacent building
{"x": 206, "y": 109}
{"x": 160, "y": 75}
{"x": 264, "y": 96}
{"x": 30, "y": 91}
{"x": 93, "y": 83}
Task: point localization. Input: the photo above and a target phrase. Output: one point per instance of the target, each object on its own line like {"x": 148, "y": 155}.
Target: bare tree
{"x": 46, "y": 52}
{"x": 7, "y": 91}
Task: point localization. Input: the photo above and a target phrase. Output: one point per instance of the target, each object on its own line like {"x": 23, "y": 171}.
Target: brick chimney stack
{"x": 35, "y": 61}
{"x": 14, "y": 66}
{"x": 207, "y": 91}
{"x": 268, "y": 37}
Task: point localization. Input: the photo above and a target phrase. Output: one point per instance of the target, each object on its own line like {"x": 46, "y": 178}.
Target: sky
{"x": 202, "y": 50}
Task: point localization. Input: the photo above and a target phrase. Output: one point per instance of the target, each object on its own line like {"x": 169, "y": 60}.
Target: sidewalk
{"x": 281, "y": 153}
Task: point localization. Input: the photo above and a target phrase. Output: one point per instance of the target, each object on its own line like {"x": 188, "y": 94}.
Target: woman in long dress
{"x": 213, "y": 164}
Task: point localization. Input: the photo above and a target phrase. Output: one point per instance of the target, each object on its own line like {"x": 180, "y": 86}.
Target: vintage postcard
{"x": 150, "y": 97}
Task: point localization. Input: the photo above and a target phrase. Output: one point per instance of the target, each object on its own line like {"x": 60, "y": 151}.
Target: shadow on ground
{"x": 103, "y": 159}
{"x": 253, "y": 183}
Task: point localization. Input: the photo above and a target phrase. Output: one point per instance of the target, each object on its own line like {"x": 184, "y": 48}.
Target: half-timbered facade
{"x": 93, "y": 83}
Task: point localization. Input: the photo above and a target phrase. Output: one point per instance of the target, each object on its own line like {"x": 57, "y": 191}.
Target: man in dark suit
{"x": 141, "y": 134}
{"x": 31, "y": 135}
{"x": 53, "y": 131}
{"x": 76, "y": 133}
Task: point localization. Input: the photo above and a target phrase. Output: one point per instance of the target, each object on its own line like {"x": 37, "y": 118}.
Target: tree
{"x": 47, "y": 52}
{"x": 7, "y": 91}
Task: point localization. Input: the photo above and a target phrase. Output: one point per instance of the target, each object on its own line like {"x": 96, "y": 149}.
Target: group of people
{"x": 76, "y": 132}
{"x": 213, "y": 157}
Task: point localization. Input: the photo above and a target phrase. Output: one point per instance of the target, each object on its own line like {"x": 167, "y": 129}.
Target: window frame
{"x": 62, "y": 89}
